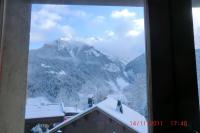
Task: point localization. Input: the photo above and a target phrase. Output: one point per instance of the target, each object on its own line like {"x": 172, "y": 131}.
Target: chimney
{"x": 90, "y": 101}
{"x": 119, "y": 106}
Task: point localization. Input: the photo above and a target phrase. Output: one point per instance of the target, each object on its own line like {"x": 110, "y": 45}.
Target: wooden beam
{"x": 196, "y": 3}
{"x": 91, "y": 2}
{"x": 159, "y": 63}
{"x": 171, "y": 64}
{"x": 185, "y": 88}
{"x": 14, "y": 59}
{"x": 1, "y": 17}
{"x": 2, "y": 2}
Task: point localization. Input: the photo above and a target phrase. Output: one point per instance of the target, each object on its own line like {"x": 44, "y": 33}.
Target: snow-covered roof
{"x": 71, "y": 110}
{"x": 43, "y": 111}
{"x": 128, "y": 115}
{"x": 40, "y": 107}
{"x": 108, "y": 106}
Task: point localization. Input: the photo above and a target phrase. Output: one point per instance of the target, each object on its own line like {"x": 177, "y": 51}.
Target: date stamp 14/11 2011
{"x": 182, "y": 123}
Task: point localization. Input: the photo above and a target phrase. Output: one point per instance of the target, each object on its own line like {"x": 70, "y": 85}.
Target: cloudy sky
{"x": 116, "y": 31}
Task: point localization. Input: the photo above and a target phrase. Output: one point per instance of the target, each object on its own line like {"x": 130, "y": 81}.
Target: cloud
{"x": 45, "y": 19}
{"x": 99, "y": 19}
{"x": 47, "y": 22}
{"x": 139, "y": 23}
{"x": 50, "y": 16}
{"x": 109, "y": 33}
{"x": 63, "y": 10}
{"x": 92, "y": 40}
{"x": 67, "y": 32}
{"x": 125, "y": 13}
{"x": 133, "y": 33}
{"x": 196, "y": 22}
{"x": 137, "y": 28}
{"x": 34, "y": 37}
{"x": 123, "y": 48}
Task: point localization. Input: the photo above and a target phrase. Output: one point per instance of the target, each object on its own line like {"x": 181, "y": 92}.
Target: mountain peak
{"x": 66, "y": 44}
{"x": 69, "y": 44}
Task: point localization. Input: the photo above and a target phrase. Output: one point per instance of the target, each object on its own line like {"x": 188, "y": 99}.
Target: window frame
{"x": 20, "y": 11}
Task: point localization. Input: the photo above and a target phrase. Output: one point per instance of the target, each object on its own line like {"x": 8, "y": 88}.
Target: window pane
{"x": 196, "y": 23}
{"x": 83, "y": 57}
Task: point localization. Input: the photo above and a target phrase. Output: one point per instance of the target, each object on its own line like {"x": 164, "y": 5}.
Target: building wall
{"x": 30, "y": 123}
{"x": 96, "y": 122}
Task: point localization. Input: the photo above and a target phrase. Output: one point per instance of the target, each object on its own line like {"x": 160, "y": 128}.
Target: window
{"x": 80, "y": 53}
{"x": 196, "y": 23}
{"x": 14, "y": 51}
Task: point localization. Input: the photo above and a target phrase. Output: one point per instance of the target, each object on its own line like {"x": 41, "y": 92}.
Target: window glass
{"x": 85, "y": 56}
{"x": 196, "y": 23}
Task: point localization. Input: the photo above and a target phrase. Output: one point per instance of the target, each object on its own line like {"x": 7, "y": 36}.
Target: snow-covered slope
{"x": 136, "y": 92}
{"x": 70, "y": 71}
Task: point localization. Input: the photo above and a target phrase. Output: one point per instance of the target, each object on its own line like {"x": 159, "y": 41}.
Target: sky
{"x": 114, "y": 30}
{"x": 196, "y": 24}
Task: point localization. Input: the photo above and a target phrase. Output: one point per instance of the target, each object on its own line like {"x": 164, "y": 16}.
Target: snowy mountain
{"x": 71, "y": 70}
{"x": 136, "y": 92}
{"x": 136, "y": 67}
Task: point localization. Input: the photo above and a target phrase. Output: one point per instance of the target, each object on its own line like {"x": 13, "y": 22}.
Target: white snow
{"x": 90, "y": 95}
{"x": 92, "y": 52}
{"x": 111, "y": 67}
{"x": 113, "y": 86}
{"x": 71, "y": 110}
{"x": 51, "y": 72}
{"x": 37, "y": 101}
{"x": 38, "y": 129}
{"x": 45, "y": 66}
{"x": 118, "y": 96}
{"x": 125, "y": 73}
{"x": 71, "y": 52}
{"x": 61, "y": 44}
{"x": 41, "y": 108}
{"x": 109, "y": 107}
{"x": 61, "y": 72}
{"x": 122, "y": 83}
